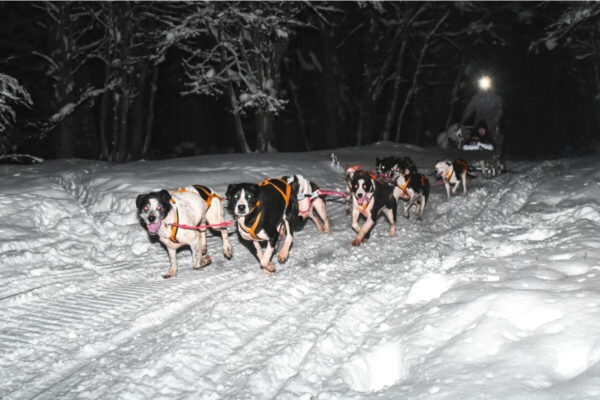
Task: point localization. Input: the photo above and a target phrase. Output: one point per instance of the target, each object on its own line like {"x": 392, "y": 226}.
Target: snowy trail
{"x": 501, "y": 281}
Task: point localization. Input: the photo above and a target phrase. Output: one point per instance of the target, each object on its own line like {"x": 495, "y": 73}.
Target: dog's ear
{"x": 164, "y": 196}
{"x": 140, "y": 201}
{"x": 378, "y": 161}
{"x": 231, "y": 189}
{"x": 448, "y": 163}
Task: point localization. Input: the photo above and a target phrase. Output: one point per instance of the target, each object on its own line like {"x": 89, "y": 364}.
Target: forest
{"x": 125, "y": 81}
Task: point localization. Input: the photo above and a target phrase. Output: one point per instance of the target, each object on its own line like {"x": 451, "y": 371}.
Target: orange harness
{"x": 209, "y": 197}
{"x": 285, "y": 193}
{"x": 405, "y": 186}
{"x": 176, "y": 221}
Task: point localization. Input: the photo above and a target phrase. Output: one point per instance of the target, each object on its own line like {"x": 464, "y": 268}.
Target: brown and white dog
{"x": 310, "y": 205}
{"x": 265, "y": 212}
{"x": 414, "y": 188}
{"x": 452, "y": 173}
{"x": 350, "y": 170}
{"x": 193, "y": 206}
{"x": 369, "y": 198}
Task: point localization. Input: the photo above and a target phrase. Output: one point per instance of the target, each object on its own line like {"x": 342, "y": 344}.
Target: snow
{"x": 493, "y": 295}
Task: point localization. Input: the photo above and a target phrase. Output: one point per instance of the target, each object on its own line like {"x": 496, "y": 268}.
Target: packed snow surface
{"x": 495, "y": 295}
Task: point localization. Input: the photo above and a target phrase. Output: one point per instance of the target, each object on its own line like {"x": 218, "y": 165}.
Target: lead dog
{"x": 309, "y": 204}
{"x": 265, "y": 211}
{"x": 452, "y": 173}
{"x": 369, "y": 198}
{"x": 414, "y": 188}
{"x": 193, "y": 205}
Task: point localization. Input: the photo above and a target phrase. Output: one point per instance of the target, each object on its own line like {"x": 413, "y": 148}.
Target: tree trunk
{"x": 389, "y": 120}
{"x": 116, "y": 106}
{"x": 455, "y": 88}
{"x": 124, "y": 128}
{"x": 301, "y": 121}
{"x": 137, "y": 113}
{"x": 235, "y": 110}
{"x": 150, "y": 120}
{"x": 367, "y": 106}
{"x": 414, "y": 88}
{"x": 104, "y": 150}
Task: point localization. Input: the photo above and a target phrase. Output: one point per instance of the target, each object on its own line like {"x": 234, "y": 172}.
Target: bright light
{"x": 485, "y": 83}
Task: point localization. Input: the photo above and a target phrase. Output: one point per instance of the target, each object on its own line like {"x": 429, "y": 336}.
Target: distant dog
{"x": 452, "y": 173}
{"x": 309, "y": 204}
{"x": 192, "y": 206}
{"x": 369, "y": 198}
{"x": 389, "y": 168}
{"x": 414, "y": 188}
{"x": 265, "y": 211}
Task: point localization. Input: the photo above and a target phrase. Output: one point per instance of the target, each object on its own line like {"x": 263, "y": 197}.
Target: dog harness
{"x": 210, "y": 195}
{"x": 201, "y": 189}
{"x": 403, "y": 187}
{"x": 252, "y": 230}
{"x": 174, "y": 227}
{"x": 287, "y": 187}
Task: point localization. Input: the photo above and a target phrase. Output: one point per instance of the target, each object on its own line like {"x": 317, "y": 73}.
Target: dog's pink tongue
{"x": 153, "y": 228}
{"x": 362, "y": 200}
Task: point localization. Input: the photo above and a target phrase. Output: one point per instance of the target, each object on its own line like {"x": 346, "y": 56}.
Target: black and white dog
{"x": 190, "y": 206}
{"x": 309, "y": 204}
{"x": 414, "y": 188}
{"x": 265, "y": 211}
{"x": 389, "y": 168}
{"x": 452, "y": 173}
{"x": 369, "y": 198}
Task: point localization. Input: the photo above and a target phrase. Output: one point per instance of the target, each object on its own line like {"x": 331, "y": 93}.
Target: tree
{"x": 576, "y": 33}
{"x": 12, "y": 96}
{"x": 236, "y": 49}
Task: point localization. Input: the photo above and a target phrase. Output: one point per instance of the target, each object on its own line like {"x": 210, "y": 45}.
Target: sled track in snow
{"x": 65, "y": 326}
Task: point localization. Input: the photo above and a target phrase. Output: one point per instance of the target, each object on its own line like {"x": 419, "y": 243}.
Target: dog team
{"x": 266, "y": 212}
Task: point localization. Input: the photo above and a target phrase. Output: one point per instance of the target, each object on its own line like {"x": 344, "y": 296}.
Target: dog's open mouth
{"x": 363, "y": 200}
{"x": 153, "y": 228}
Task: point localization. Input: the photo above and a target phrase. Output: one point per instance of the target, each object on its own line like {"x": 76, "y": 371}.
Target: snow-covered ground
{"x": 495, "y": 295}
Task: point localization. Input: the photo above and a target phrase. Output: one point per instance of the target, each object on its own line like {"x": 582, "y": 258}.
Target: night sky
{"x": 126, "y": 81}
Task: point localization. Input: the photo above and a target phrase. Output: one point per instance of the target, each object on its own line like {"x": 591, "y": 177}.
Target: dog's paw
{"x": 356, "y": 242}
{"x": 269, "y": 269}
{"x": 203, "y": 250}
{"x": 283, "y": 256}
{"x": 228, "y": 253}
{"x": 204, "y": 261}
{"x": 169, "y": 275}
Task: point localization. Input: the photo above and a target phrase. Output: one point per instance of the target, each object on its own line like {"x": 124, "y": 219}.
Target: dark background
{"x": 327, "y": 73}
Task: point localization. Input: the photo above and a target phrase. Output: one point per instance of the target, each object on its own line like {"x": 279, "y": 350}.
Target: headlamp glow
{"x": 485, "y": 83}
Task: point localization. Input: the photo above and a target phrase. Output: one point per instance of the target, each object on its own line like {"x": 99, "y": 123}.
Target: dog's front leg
{"x": 285, "y": 249}
{"x": 389, "y": 214}
{"x": 200, "y": 260}
{"x": 408, "y": 205}
{"x": 363, "y": 231}
{"x": 447, "y": 185}
{"x": 455, "y": 188}
{"x": 464, "y": 182}
{"x": 173, "y": 263}
{"x": 265, "y": 259}
{"x": 258, "y": 247}
{"x": 355, "y": 215}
